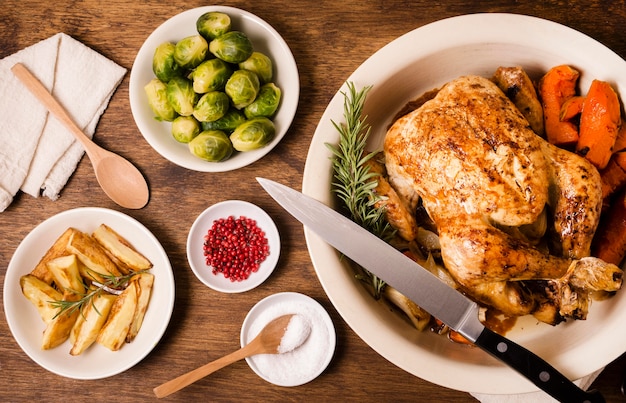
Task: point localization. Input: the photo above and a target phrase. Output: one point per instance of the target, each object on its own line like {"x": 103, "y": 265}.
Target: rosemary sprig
{"x": 353, "y": 182}
{"x": 109, "y": 284}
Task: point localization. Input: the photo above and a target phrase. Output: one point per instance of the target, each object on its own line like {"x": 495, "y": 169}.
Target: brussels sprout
{"x": 253, "y": 134}
{"x": 227, "y": 123}
{"x": 211, "y": 106}
{"x": 232, "y": 47}
{"x": 163, "y": 64}
{"x": 189, "y": 52}
{"x": 185, "y": 128}
{"x": 181, "y": 96}
{"x": 213, "y": 24}
{"x": 210, "y": 75}
{"x": 242, "y": 87}
{"x": 211, "y": 145}
{"x": 265, "y": 103}
{"x": 261, "y": 65}
{"x": 156, "y": 90}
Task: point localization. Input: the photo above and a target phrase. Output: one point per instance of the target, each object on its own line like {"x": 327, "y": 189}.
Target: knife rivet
{"x": 502, "y": 347}
{"x": 544, "y": 376}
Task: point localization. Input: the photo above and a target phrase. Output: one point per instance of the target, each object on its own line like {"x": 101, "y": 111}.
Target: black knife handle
{"x": 535, "y": 369}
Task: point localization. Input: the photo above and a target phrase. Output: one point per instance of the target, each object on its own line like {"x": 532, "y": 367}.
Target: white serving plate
{"x": 96, "y": 362}
{"x": 264, "y": 38}
{"x": 414, "y": 63}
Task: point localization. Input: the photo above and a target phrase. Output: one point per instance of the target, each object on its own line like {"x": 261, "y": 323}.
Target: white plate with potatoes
{"x": 96, "y": 361}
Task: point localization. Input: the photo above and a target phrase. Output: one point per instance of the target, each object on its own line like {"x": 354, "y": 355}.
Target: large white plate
{"x": 418, "y": 61}
{"x": 264, "y": 38}
{"x": 97, "y": 362}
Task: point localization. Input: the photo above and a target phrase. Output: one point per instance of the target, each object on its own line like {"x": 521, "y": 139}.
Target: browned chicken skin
{"x": 488, "y": 182}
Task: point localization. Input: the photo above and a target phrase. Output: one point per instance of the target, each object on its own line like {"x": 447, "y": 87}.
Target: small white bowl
{"x": 264, "y": 38}
{"x": 202, "y": 224}
{"x": 306, "y": 362}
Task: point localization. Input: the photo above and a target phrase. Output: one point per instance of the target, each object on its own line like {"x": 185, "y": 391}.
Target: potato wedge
{"x": 114, "y": 331}
{"x": 58, "y": 329}
{"x": 144, "y": 282}
{"x": 92, "y": 255}
{"x": 40, "y": 293}
{"x": 90, "y": 322}
{"x": 66, "y": 274}
{"x": 121, "y": 248}
{"x": 58, "y": 249}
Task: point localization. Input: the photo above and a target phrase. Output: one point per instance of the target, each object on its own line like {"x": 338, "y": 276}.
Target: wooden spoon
{"x": 119, "y": 179}
{"x": 266, "y": 342}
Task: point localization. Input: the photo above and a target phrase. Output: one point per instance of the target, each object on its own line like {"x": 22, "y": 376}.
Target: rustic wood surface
{"x": 329, "y": 41}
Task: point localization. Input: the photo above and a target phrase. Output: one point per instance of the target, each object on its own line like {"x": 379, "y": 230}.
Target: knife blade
{"x": 422, "y": 287}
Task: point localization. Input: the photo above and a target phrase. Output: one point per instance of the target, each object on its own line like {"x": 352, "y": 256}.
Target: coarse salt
{"x": 302, "y": 364}
{"x": 298, "y": 330}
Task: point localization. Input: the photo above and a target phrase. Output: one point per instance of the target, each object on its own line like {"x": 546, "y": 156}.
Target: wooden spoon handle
{"x": 190, "y": 377}
{"x": 45, "y": 97}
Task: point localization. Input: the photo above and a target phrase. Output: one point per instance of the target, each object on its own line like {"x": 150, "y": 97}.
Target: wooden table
{"x": 329, "y": 41}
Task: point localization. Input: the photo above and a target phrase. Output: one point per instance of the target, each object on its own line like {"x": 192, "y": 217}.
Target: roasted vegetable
{"x": 113, "y": 333}
{"x": 556, "y": 87}
{"x": 121, "y": 248}
{"x": 90, "y": 322}
{"x": 40, "y": 294}
{"x": 599, "y": 123}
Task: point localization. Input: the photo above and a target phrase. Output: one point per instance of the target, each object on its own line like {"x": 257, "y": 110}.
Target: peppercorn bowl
{"x": 233, "y": 246}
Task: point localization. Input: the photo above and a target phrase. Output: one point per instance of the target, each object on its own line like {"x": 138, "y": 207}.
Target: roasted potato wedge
{"x": 40, "y": 293}
{"x": 66, "y": 274}
{"x": 92, "y": 255}
{"x": 144, "y": 282}
{"x": 114, "y": 331}
{"x": 119, "y": 247}
{"x": 90, "y": 322}
{"x": 58, "y": 329}
{"x": 58, "y": 249}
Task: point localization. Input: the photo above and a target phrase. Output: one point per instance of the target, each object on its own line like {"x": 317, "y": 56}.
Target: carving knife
{"x": 425, "y": 289}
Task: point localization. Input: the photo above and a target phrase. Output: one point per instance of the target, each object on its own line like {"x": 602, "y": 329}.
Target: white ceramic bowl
{"x": 264, "y": 38}
{"x": 97, "y": 361}
{"x": 414, "y": 63}
{"x": 200, "y": 227}
{"x": 303, "y": 364}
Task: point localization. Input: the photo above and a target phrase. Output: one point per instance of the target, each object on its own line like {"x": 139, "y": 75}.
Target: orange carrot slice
{"x": 571, "y": 107}
{"x": 614, "y": 175}
{"x": 555, "y": 87}
{"x": 599, "y": 121}
{"x": 620, "y": 140}
{"x": 610, "y": 240}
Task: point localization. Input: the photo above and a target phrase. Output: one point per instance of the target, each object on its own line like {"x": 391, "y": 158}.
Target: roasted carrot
{"x": 599, "y": 121}
{"x": 556, "y": 87}
{"x": 614, "y": 175}
{"x": 620, "y": 140}
{"x": 571, "y": 107}
{"x": 610, "y": 240}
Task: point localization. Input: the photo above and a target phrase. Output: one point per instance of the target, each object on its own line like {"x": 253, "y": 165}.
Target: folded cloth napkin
{"x": 37, "y": 153}
{"x": 534, "y": 397}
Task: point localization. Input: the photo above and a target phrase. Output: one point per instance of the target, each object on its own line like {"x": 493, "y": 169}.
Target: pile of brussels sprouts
{"x": 215, "y": 89}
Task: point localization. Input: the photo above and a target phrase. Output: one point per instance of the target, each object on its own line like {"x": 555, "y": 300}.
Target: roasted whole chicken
{"x": 515, "y": 215}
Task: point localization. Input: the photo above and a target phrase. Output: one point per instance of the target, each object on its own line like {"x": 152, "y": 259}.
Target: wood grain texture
{"x": 329, "y": 41}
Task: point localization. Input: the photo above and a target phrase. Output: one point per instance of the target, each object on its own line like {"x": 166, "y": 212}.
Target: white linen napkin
{"x": 534, "y": 397}
{"x": 37, "y": 153}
